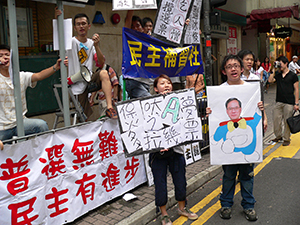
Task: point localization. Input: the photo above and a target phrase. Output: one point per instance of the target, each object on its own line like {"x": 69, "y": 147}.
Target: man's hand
{"x": 261, "y": 106}
{"x": 296, "y": 107}
{"x": 96, "y": 39}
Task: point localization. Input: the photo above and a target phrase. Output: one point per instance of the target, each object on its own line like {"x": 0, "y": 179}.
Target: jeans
{"x": 31, "y": 126}
{"x": 136, "y": 89}
{"x": 246, "y": 181}
{"x": 159, "y": 167}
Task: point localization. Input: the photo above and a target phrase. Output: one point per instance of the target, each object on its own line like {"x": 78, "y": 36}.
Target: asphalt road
{"x": 276, "y": 187}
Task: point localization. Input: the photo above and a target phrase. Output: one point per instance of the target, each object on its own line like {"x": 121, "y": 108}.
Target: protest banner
{"x": 56, "y": 177}
{"x": 136, "y": 4}
{"x": 170, "y": 20}
{"x": 235, "y": 124}
{"x": 157, "y": 122}
{"x": 148, "y": 57}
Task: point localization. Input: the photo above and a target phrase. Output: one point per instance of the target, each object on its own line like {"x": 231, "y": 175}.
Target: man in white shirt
{"x": 247, "y": 57}
{"x": 293, "y": 65}
{"x": 8, "y": 120}
{"x": 84, "y": 51}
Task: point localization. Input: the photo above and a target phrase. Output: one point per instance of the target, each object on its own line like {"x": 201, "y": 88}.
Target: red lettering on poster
{"x": 20, "y": 211}
{"x": 86, "y": 190}
{"x": 55, "y": 194}
{"x": 15, "y": 170}
{"x": 108, "y": 144}
{"x": 132, "y": 168}
{"x": 55, "y": 165}
{"x": 112, "y": 178}
{"x": 83, "y": 152}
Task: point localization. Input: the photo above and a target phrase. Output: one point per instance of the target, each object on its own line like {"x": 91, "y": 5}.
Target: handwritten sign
{"x": 137, "y": 4}
{"x": 170, "y": 20}
{"x": 192, "y": 35}
{"x": 157, "y": 122}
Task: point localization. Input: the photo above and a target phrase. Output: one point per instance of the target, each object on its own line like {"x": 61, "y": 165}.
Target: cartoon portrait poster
{"x": 235, "y": 124}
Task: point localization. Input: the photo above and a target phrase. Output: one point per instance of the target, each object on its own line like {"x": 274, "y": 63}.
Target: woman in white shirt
{"x": 257, "y": 69}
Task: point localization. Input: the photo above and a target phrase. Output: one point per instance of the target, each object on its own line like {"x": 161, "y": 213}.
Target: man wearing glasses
{"x": 232, "y": 67}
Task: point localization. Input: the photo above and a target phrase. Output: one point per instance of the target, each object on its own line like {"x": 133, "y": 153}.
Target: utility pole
{"x": 207, "y": 39}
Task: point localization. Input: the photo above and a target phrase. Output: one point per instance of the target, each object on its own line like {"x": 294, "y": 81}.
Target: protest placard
{"x": 170, "y": 21}
{"x": 235, "y": 124}
{"x": 157, "y": 122}
{"x": 137, "y": 4}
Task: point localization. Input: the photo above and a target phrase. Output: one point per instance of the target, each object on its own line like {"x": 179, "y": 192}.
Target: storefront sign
{"x": 283, "y": 32}
{"x": 219, "y": 31}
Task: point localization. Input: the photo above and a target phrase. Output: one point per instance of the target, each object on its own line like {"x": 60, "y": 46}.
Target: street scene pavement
{"x": 142, "y": 210}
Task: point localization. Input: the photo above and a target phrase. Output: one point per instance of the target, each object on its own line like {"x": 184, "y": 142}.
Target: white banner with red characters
{"x": 57, "y": 177}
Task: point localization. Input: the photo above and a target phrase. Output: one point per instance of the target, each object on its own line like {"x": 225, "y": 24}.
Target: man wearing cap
{"x": 293, "y": 66}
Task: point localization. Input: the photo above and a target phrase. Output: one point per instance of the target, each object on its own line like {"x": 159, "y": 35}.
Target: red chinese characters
{"x": 111, "y": 178}
{"x": 108, "y": 144}
{"x": 16, "y": 170}
{"x": 132, "y": 167}
{"x": 83, "y": 152}
{"x": 57, "y": 202}
{"x": 55, "y": 165}
{"x": 86, "y": 190}
{"x": 19, "y": 216}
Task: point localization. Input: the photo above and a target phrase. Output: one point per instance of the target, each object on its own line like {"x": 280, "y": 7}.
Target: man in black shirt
{"x": 287, "y": 97}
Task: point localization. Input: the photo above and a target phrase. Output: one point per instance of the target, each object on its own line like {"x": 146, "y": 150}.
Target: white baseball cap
{"x": 295, "y": 57}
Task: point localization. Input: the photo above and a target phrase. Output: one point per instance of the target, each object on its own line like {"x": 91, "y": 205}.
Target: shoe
{"x": 250, "y": 214}
{"x": 286, "y": 143}
{"x": 165, "y": 220}
{"x": 225, "y": 213}
{"x": 188, "y": 213}
{"x": 277, "y": 139}
{"x": 111, "y": 113}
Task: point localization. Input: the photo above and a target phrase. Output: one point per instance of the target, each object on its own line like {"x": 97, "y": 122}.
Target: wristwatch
{"x": 297, "y": 104}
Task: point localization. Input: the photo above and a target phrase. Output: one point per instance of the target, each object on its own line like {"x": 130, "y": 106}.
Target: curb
{"x": 148, "y": 213}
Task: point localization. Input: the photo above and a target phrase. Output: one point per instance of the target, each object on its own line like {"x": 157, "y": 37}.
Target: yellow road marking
{"x": 282, "y": 151}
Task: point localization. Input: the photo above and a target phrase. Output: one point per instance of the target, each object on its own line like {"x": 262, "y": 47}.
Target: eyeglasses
{"x": 235, "y": 66}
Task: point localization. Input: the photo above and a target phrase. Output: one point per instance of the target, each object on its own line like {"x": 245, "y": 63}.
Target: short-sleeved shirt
{"x": 293, "y": 66}
{"x": 86, "y": 52}
{"x": 7, "y": 100}
{"x": 285, "y": 87}
{"x": 252, "y": 76}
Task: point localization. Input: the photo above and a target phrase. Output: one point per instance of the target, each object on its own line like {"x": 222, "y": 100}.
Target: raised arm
{"x": 128, "y": 19}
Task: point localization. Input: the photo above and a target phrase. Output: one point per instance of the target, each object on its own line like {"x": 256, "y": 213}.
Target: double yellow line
{"x": 283, "y": 152}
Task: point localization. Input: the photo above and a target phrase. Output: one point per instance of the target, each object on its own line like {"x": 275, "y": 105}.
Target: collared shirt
{"x": 7, "y": 100}
{"x": 252, "y": 76}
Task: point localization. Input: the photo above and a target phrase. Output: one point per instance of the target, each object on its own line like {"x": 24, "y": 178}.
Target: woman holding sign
{"x": 174, "y": 160}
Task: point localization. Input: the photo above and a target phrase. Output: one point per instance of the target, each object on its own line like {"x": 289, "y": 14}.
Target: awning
{"x": 273, "y": 13}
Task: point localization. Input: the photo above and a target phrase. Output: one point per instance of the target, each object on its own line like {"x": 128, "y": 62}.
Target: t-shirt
{"x": 285, "y": 87}
{"x": 266, "y": 66}
{"x": 252, "y": 76}
{"x": 257, "y": 72}
{"x": 7, "y": 103}
{"x": 293, "y": 66}
{"x": 86, "y": 52}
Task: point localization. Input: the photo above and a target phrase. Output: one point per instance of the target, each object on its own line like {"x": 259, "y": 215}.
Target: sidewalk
{"x": 142, "y": 210}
